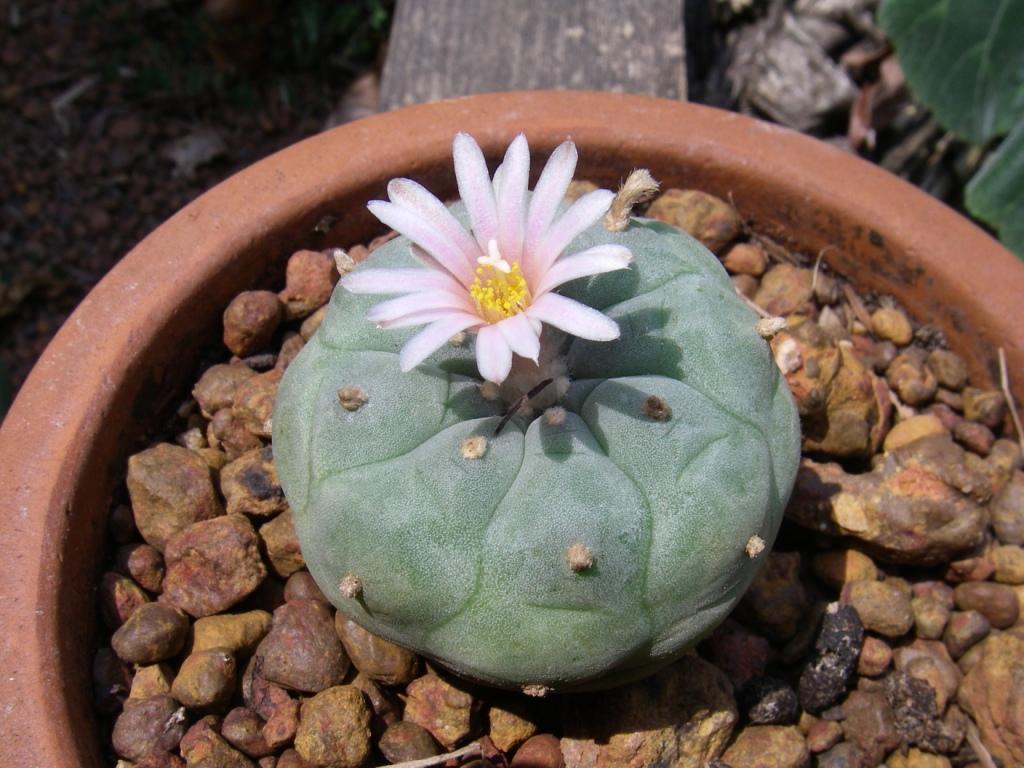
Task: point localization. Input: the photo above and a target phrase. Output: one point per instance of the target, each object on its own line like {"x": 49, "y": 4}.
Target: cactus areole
{"x": 573, "y": 471}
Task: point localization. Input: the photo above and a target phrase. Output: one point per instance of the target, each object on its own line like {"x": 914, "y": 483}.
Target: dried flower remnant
{"x": 497, "y": 281}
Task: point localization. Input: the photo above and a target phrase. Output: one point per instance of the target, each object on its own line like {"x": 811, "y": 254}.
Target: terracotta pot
{"x": 130, "y": 346}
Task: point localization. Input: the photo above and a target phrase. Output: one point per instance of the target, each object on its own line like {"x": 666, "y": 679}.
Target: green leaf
{"x": 964, "y": 59}
{"x": 996, "y": 193}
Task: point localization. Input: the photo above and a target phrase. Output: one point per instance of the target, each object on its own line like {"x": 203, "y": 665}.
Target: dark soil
{"x": 116, "y": 113}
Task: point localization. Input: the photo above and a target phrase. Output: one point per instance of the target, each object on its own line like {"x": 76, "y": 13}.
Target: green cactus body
{"x": 673, "y": 460}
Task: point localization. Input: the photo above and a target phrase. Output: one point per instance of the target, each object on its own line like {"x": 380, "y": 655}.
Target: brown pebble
{"x": 250, "y": 485}
{"x": 239, "y": 633}
{"x": 875, "y": 657}
{"x": 230, "y": 435}
{"x": 771, "y": 745}
{"x": 301, "y": 586}
{"x": 949, "y": 369}
{"x": 930, "y": 662}
{"x": 151, "y": 680}
{"x": 161, "y": 760}
{"x": 441, "y": 707}
{"x": 170, "y": 488}
{"x": 216, "y": 387}
{"x": 282, "y": 545}
{"x": 203, "y": 747}
{"x": 302, "y": 650}
{"x": 869, "y": 724}
{"x": 965, "y": 628}
{"x": 282, "y": 725}
{"x": 745, "y": 259}
{"x": 954, "y": 400}
{"x": 975, "y": 565}
{"x": 152, "y": 633}
{"x": 935, "y": 590}
{"x": 892, "y": 325}
{"x": 242, "y": 728}
{"x": 212, "y": 565}
{"x": 916, "y": 758}
{"x": 250, "y": 322}
{"x": 147, "y": 725}
{"x": 1003, "y": 462}
{"x": 206, "y": 680}
{"x": 996, "y": 602}
{"x": 309, "y": 281}
{"x": 839, "y": 566}
{"x": 784, "y": 289}
{"x": 334, "y": 729}
{"x": 930, "y": 617}
{"x": 254, "y": 403}
{"x": 823, "y": 735}
{"x": 1009, "y": 564}
{"x": 945, "y": 414}
{"x": 986, "y": 406}
{"x": 541, "y": 751}
{"x": 291, "y": 759}
{"x": 907, "y": 431}
{"x": 708, "y": 218}
{"x": 144, "y": 563}
{"x": 910, "y": 378}
{"x": 403, "y": 741}
{"x": 883, "y": 607}
{"x": 510, "y": 724}
{"x": 1007, "y": 510}
{"x": 378, "y": 659}
{"x": 119, "y": 596}
{"x": 992, "y": 692}
{"x": 974, "y": 437}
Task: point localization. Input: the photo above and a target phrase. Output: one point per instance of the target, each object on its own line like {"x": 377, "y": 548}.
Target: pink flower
{"x": 499, "y": 279}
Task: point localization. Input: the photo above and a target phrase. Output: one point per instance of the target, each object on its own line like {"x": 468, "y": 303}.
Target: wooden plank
{"x": 445, "y": 48}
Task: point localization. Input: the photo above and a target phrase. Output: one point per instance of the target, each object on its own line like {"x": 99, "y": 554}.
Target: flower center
{"x": 499, "y": 288}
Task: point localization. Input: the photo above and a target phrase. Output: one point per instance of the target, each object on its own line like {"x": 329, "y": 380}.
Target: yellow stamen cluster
{"x": 499, "y": 294}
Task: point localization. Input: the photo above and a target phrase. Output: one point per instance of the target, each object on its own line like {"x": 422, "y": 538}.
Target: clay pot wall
{"x": 139, "y": 334}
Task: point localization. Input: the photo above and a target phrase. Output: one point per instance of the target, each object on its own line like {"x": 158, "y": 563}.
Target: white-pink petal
{"x": 548, "y": 194}
{"x": 593, "y": 261}
{"x": 573, "y": 317}
{"x": 475, "y": 188}
{"x": 388, "y": 311}
{"x": 511, "y": 184}
{"x": 404, "y": 280}
{"x": 581, "y": 214}
{"x": 415, "y": 197}
{"x": 432, "y": 338}
{"x": 520, "y": 335}
{"x": 493, "y": 354}
{"x": 420, "y": 231}
{"x": 417, "y": 318}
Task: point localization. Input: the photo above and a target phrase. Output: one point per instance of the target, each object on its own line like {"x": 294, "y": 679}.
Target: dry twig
{"x": 857, "y": 305}
{"x": 980, "y": 751}
{"x": 1004, "y": 380}
{"x": 470, "y": 750}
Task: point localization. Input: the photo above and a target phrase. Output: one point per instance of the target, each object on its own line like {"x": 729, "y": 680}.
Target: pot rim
{"x": 73, "y": 407}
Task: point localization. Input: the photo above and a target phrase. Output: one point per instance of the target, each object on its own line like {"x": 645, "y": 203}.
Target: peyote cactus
{"x": 569, "y": 516}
